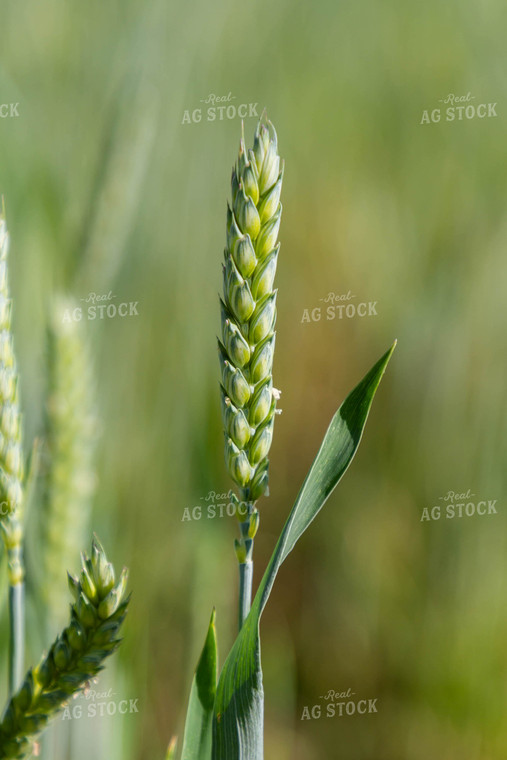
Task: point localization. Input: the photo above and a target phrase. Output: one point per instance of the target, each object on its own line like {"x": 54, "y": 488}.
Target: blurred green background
{"x": 107, "y": 190}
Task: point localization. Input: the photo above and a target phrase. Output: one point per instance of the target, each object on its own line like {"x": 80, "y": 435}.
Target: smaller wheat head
{"x": 77, "y": 655}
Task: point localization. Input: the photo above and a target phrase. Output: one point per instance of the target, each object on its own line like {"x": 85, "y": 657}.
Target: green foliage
{"x": 238, "y": 721}
{"x": 198, "y": 725}
{"x": 239, "y": 706}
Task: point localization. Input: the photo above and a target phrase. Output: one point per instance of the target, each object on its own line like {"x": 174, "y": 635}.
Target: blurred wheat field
{"x": 107, "y": 190}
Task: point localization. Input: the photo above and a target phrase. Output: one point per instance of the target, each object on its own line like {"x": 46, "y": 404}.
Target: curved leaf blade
{"x": 239, "y": 703}
{"x": 198, "y": 724}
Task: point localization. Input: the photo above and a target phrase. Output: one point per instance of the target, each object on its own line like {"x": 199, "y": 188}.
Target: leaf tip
{"x": 384, "y": 361}
{"x": 171, "y": 750}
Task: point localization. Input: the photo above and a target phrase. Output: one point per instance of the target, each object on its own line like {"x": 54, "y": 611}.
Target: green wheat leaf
{"x": 198, "y": 725}
{"x": 239, "y": 704}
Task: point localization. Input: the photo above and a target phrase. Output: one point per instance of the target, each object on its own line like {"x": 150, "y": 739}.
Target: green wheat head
{"x": 71, "y": 432}
{"x": 77, "y": 655}
{"x": 11, "y": 448}
{"x": 248, "y": 313}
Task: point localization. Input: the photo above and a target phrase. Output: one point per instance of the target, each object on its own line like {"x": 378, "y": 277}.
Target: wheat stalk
{"x": 226, "y": 714}
{"x": 11, "y": 467}
{"x": 248, "y": 311}
{"x": 70, "y": 443}
{"x": 76, "y": 656}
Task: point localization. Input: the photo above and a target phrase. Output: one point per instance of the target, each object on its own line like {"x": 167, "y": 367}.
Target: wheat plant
{"x": 100, "y": 601}
{"x": 225, "y": 714}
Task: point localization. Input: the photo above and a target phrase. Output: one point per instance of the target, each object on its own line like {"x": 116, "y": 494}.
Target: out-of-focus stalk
{"x": 11, "y": 470}
{"x": 71, "y": 433}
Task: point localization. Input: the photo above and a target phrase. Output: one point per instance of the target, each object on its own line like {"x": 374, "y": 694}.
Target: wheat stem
{"x": 17, "y": 634}
{"x": 245, "y": 590}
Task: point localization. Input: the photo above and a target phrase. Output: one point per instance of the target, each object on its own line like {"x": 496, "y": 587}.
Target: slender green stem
{"x": 244, "y": 551}
{"x": 245, "y": 590}
{"x": 16, "y": 576}
{"x": 17, "y": 635}
{"x": 12, "y": 534}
